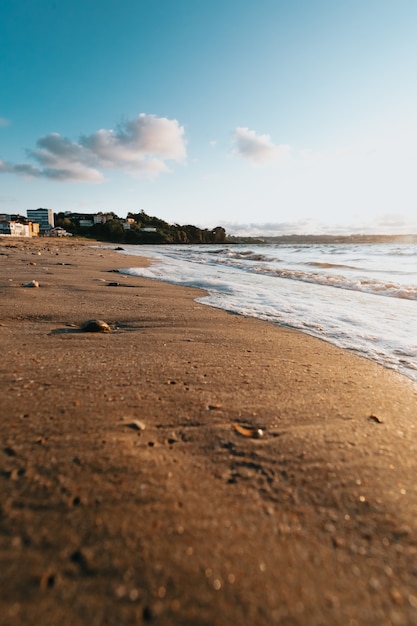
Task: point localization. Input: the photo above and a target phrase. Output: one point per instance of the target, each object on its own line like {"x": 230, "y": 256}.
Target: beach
{"x": 129, "y": 494}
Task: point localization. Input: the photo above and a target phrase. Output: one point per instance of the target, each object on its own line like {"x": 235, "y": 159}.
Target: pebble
{"x": 96, "y": 326}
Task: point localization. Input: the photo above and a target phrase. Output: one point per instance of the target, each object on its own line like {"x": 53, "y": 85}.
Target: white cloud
{"x": 141, "y": 147}
{"x": 4, "y": 121}
{"x": 134, "y": 144}
{"x": 257, "y": 148}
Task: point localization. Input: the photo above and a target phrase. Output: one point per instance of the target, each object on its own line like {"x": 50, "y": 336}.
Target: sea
{"x": 361, "y": 297}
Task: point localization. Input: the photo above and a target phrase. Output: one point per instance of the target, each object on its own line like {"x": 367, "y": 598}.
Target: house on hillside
{"x": 102, "y": 218}
{"x": 127, "y": 223}
{"x": 84, "y": 220}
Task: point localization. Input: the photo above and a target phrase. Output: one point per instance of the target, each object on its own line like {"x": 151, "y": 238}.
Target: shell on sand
{"x": 95, "y": 326}
{"x": 253, "y": 433}
{"x": 33, "y": 283}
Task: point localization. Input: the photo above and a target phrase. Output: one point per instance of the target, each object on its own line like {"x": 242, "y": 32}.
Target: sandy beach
{"x": 128, "y": 496}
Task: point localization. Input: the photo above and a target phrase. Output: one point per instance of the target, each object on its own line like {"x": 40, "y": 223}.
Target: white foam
{"x": 350, "y": 312}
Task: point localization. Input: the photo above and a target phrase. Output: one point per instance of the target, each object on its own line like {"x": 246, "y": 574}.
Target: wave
{"x": 340, "y": 275}
{"x": 389, "y": 289}
{"x": 331, "y": 265}
{"x": 368, "y": 285}
{"x": 250, "y": 255}
{"x": 401, "y": 252}
{"x": 365, "y": 284}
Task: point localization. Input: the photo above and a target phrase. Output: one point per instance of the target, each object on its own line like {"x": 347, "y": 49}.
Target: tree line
{"x": 143, "y": 229}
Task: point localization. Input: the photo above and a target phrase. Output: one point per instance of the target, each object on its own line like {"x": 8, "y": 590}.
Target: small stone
{"x": 133, "y": 595}
{"x": 95, "y": 326}
{"x": 338, "y": 542}
{"x": 375, "y": 418}
{"x": 413, "y": 601}
{"x": 33, "y": 283}
{"x": 395, "y": 595}
{"x": 120, "y": 591}
{"x": 48, "y": 580}
{"x": 83, "y": 558}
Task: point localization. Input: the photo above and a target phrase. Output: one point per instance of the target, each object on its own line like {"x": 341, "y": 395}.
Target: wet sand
{"x": 127, "y": 495}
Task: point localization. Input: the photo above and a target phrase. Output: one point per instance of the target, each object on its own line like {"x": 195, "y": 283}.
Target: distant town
{"x": 140, "y": 228}
{"x": 136, "y": 228}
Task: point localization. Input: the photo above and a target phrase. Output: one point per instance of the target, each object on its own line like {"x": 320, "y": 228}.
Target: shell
{"x": 251, "y": 432}
{"x": 136, "y": 425}
{"x": 95, "y": 326}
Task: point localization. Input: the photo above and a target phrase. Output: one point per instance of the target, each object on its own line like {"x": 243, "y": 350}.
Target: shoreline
{"x": 186, "y": 521}
{"x": 369, "y": 330}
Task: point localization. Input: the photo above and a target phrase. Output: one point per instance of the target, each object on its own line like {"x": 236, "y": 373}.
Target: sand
{"x": 127, "y": 495}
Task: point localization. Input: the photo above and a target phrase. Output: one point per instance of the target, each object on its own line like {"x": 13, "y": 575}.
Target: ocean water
{"x": 361, "y": 297}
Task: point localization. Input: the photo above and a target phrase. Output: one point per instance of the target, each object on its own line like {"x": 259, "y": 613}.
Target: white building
{"x": 127, "y": 223}
{"x": 16, "y": 229}
{"x": 102, "y": 218}
{"x": 17, "y": 226}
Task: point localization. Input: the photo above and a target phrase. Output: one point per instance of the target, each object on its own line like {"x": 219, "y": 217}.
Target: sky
{"x": 267, "y": 117}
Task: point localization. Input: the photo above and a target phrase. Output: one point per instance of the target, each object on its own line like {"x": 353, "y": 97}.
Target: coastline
{"x": 314, "y": 289}
{"x": 186, "y": 522}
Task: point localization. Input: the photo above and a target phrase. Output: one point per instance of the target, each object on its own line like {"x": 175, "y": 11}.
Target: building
{"x": 85, "y": 223}
{"x": 17, "y": 226}
{"x": 83, "y": 220}
{"x": 127, "y": 223}
{"x": 14, "y": 228}
{"x": 102, "y": 218}
{"x": 43, "y": 217}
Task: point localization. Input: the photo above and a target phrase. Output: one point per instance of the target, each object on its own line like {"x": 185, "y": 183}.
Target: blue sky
{"x": 269, "y": 116}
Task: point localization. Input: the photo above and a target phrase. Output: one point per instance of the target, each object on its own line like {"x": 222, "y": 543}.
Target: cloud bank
{"x": 258, "y": 149}
{"x": 387, "y": 224}
{"x": 140, "y": 147}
